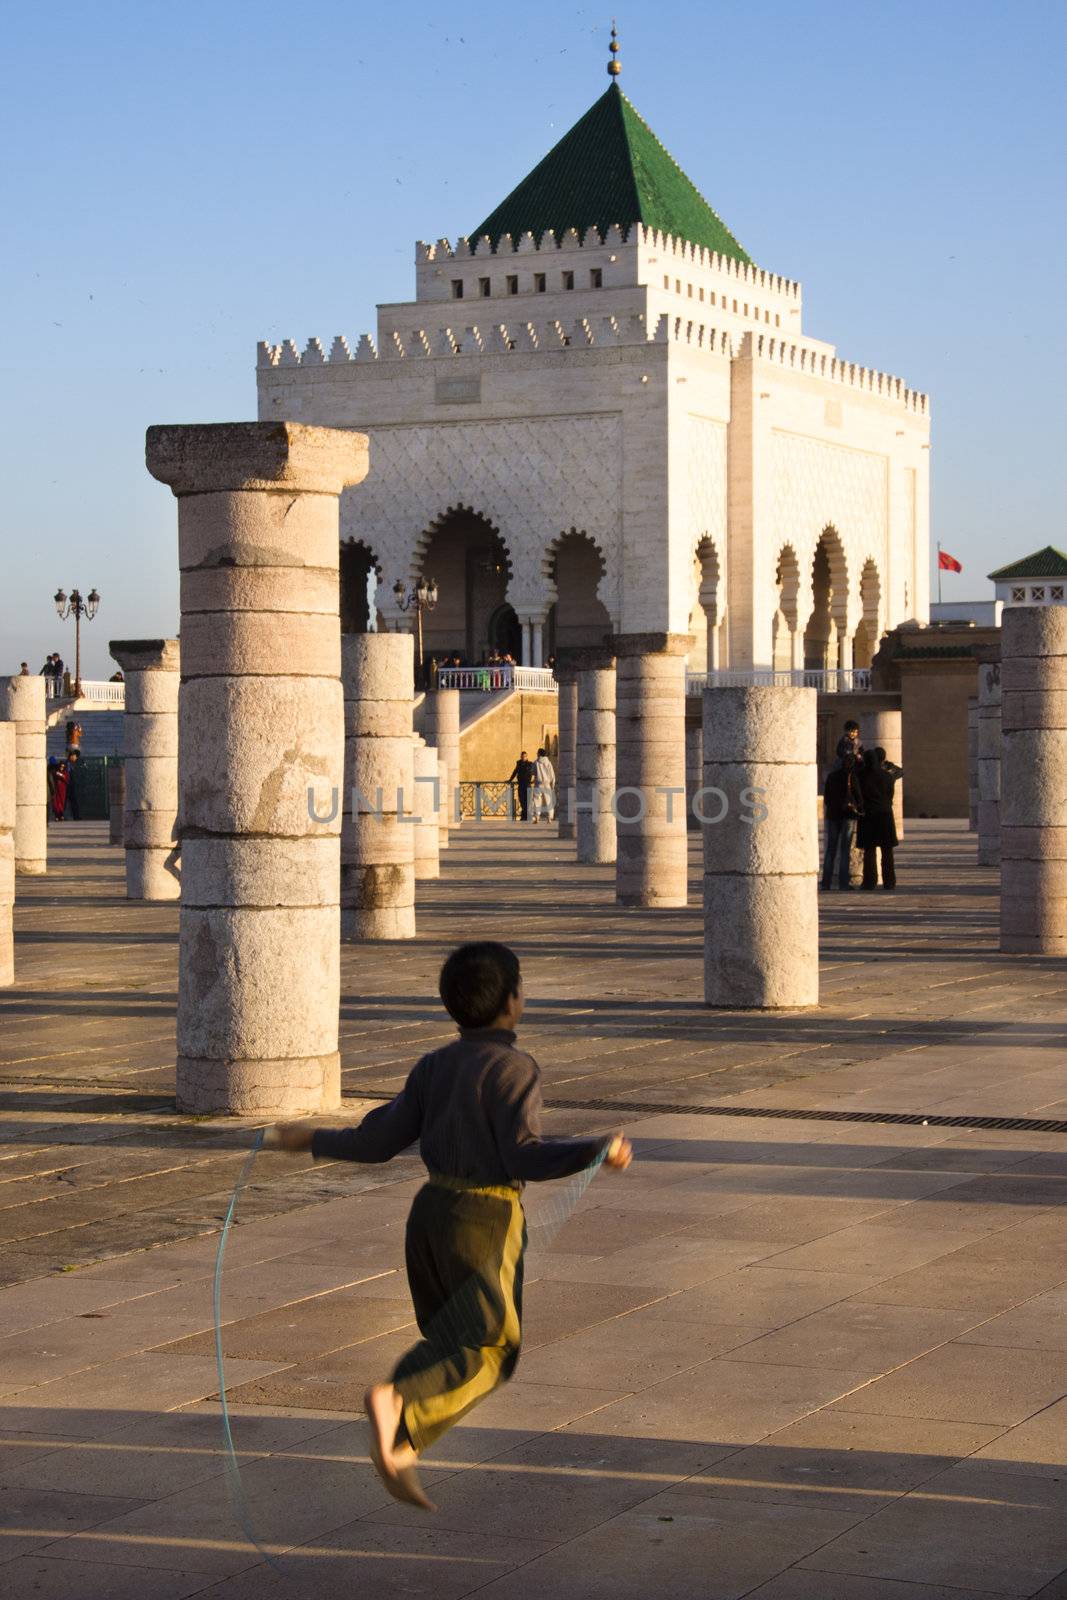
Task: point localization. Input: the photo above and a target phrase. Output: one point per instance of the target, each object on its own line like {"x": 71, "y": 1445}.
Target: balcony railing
{"x": 491, "y": 679}
{"x": 112, "y": 695}
{"x": 828, "y": 680}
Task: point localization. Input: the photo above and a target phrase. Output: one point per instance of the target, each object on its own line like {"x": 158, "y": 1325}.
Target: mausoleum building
{"x": 598, "y": 416}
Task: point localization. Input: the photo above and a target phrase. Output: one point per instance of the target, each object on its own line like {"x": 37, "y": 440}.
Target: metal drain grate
{"x": 906, "y": 1119}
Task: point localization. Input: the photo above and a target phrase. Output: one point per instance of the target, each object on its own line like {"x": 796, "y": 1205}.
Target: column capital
{"x": 225, "y": 457}
{"x": 653, "y": 644}
{"x": 573, "y": 659}
{"x": 146, "y": 655}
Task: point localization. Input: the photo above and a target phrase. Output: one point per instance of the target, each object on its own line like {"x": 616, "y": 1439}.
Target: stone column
{"x": 440, "y": 727}
{"x": 567, "y": 678}
{"x": 989, "y": 751}
{"x": 377, "y": 838}
{"x": 652, "y": 859}
{"x": 1033, "y": 781}
{"x": 22, "y": 703}
{"x": 972, "y": 763}
{"x": 8, "y": 738}
{"x": 442, "y": 808}
{"x": 761, "y": 910}
{"x": 694, "y": 768}
{"x": 116, "y": 800}
{"x": 426, "y": 828}
{"x": 261, "y": 765}
{"x": 882, "y": 730}
{"x": 595, "y": 762}
{"x": 150, "y": 751}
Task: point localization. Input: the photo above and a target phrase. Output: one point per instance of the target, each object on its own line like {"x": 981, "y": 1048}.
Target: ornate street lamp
{"x": 423, "y": 597}
{"x": 73, "y": 605}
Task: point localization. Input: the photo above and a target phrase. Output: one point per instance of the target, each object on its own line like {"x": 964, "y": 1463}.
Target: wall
{"x": 933, "y": 700}
{"x": 489, "y": 747}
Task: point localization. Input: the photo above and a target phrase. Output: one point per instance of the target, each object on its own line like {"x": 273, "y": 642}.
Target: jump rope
{"x": 543, "y": 1221}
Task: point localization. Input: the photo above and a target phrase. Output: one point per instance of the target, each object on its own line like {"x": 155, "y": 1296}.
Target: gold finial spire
{"x": 614, "y": 65}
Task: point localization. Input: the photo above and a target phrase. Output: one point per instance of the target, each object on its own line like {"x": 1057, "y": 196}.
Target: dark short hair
{"x": 849, "y": 725}
{"x": 477, "y": 981}
{"x": 541, "y": 751}
{"x": 880, "y": 753}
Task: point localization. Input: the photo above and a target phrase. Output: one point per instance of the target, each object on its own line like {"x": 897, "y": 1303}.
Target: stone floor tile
{"x": 839, "y": 1460}
{"x": 101, "y": 1400}
{"x": 874, "y": 1248}
{"x": 52, "y": 1578}
{"x": 797, "y": 1584}
{"x": 34, "y": 1518}
{"x": 858, "y": 1337}
{"x": 967, "y": 1527}
{"x": 1034, "y": 1446}
{"x": 969, "y": 1383}
{"x": 677, "y": 1545}
{"x": 629, "y": 1353}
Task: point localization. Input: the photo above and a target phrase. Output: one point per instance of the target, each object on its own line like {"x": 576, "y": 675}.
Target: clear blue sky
{"x": 180, "y": 181}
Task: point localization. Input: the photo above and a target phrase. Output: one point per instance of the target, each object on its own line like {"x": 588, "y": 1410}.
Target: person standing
{"x": 24, "y": 669}
{"x": 59, "y": 778}
{"x": 522, "y": 773}
{"x": 877, "y": 834}
{"x": 57, "y": 674}
{"x": 544, "y": 787}
{"x": 842, "y": 807}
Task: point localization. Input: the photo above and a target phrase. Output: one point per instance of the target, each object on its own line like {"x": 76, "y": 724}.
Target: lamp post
{"x": 423, "y": 597}
{"x": 77, "y": 607}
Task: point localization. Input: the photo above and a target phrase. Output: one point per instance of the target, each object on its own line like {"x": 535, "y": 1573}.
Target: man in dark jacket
{"x": 877, "y": 830}
{"x": 523, "y": 774}
{"x": 842, "y": 805}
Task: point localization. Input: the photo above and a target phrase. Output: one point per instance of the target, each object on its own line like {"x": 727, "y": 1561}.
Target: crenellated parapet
{"x": 819, "y": 364}
{"x": 667, "y": 247}
{"x": 589, "y": 333}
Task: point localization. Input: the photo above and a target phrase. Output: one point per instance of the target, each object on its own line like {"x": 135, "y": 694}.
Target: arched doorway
{"x": 707, "y": 620}
{"x": 359, "y": 578}
{"x": 867, "y": 635}
{"x": 578, "y": 616}
{"x": 468, "y": 561}
{"x": 504, "y": 633}
{"x": 829, "y": 583}
{"x": 786, "y": 623}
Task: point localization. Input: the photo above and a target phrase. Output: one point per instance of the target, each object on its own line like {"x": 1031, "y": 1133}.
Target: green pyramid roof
{"x": 610, "y": 168}
{"x": 1046, "y": 563}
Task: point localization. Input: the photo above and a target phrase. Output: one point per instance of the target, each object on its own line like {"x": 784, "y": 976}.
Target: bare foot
{"x": 396, "y": 1466}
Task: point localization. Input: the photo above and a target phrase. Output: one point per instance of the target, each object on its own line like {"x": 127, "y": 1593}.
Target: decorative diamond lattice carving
{"x": 707, "y": 484}
{"x": 815, "y": 485}
{"x": 532, "y": 480}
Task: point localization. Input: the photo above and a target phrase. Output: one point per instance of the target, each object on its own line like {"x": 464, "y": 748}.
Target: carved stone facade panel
{"x": 532, "y": 479}
{"x": 817, "y": 485}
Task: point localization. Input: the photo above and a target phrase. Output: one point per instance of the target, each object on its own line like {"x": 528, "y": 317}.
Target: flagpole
{"x": 939, "y": 572}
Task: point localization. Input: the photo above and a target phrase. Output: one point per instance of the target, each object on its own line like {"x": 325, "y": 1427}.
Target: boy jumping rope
{"x": 475, "y": 1107}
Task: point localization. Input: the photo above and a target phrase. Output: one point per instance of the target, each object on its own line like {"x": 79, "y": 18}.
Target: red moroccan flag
{"x": 948, "y": 563}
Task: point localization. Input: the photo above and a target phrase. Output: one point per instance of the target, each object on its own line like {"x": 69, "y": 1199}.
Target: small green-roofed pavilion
{"x": 1046, "y": 563}
{"x": 610, "y": 168}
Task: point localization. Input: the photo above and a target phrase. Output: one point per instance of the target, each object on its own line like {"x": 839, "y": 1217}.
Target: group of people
{"x": 53, "y": 672}
{"x": 858, "y": 806}
{"x": 536, "y": 783}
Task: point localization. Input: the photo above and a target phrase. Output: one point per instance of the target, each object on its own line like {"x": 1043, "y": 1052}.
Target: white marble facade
{"x": 627, "y": 435}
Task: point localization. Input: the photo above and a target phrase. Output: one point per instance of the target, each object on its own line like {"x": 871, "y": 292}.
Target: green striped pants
{"x": 464, "y": 1251}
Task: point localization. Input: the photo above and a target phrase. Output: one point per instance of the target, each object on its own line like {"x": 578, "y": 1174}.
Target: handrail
{"x": 827, "y": 680}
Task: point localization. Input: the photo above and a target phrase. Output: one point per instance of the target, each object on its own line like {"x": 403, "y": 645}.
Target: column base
{"x": 151, "y": 875}
{"x": 290, "y": 1088}
{"x": 367, "y": 925}
{"x": 27, "y": 868}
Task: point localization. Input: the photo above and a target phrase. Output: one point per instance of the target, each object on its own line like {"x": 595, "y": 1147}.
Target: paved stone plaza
{"x": 785, "y": 1355}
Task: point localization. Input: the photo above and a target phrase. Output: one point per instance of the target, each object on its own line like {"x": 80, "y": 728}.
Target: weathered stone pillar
{"x": 761, "y": 912}
{"x": 694, "y": 769}
{"x": 595, "y": 763}
{"x": 440, "y": 727}
{"x": 882, "y": 730}
{"x": 22, "y": 703}
{"x": 116, "y": 800}
{"x": 8, "y": 739}
{"x": 424, "y": 801}
{"x": 377, "y": 838}
{"x": 442, "y": 809}
{"x": 972, "y": 763}
{"x": 1033, "y": 781}
{"x": 652, "y": 859}
{"x": 261, "y": 745}
{"x": 150, "y": 751}
{"x": 566, "y": 770}
{"x": 989, "y": 751}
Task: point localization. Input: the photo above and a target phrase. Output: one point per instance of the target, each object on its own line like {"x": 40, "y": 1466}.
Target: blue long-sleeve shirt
{"x": 475, "y": 1108}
